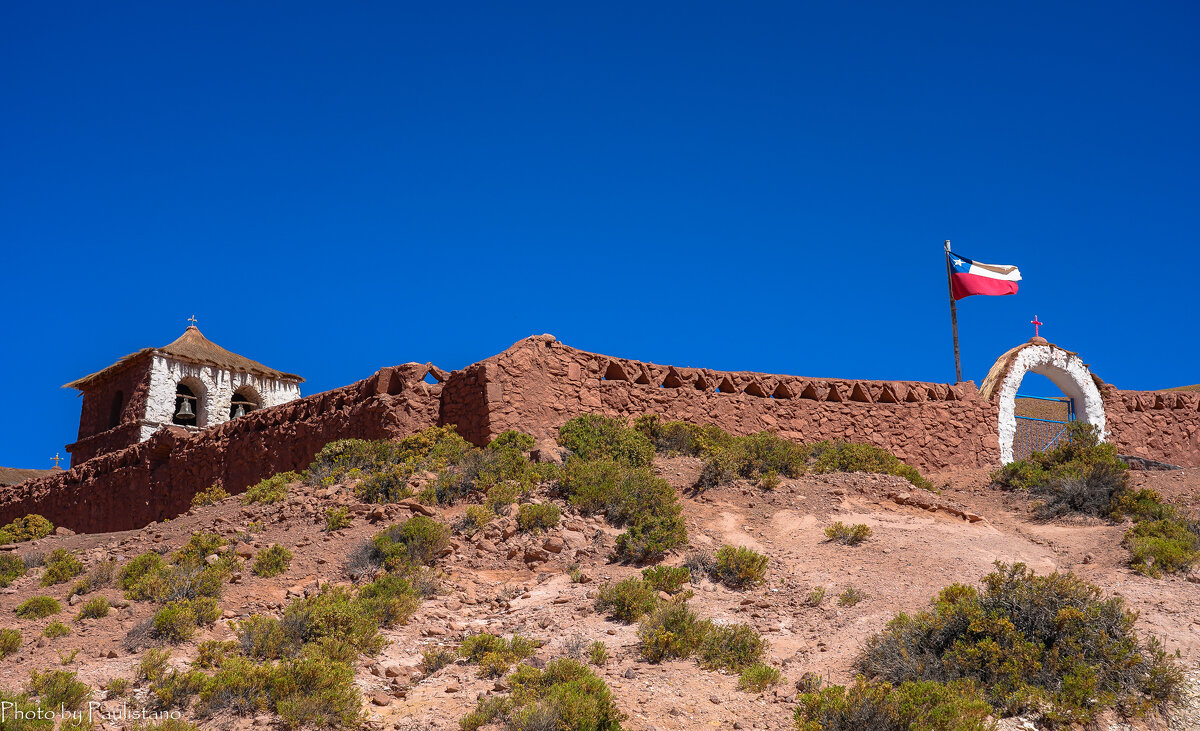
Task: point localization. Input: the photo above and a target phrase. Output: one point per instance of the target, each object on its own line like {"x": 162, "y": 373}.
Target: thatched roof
{"x": 15, "y": 475}
{"x": 192, "y": 347}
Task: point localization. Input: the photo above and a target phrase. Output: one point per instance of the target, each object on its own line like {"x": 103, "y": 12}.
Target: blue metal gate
{"x": 1037, "y": 434}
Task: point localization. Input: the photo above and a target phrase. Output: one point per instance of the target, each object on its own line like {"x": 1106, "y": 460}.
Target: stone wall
{"x": 214, "y": 388}
{"x": 156, "y": 479}
{"x": 96, "y": 431}
{"x": 1158, "y": 425}
{"x": 538, "y": 384}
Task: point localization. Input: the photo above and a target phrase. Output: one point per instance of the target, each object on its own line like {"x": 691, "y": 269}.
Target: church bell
{"x": 185, "y": 410}
{"x": 239, "y": 410}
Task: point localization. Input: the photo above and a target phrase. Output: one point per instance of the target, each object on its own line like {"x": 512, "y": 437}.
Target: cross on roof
{"x": 56, "y": 459}
{"x": 192, "y": 320}
{"x": 1036, "y": 324}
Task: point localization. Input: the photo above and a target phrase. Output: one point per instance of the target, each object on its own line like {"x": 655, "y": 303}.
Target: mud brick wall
{"x": 1158, "y": 425}
{"x": 156, "y": 479}
{"x": 539, "y": 384}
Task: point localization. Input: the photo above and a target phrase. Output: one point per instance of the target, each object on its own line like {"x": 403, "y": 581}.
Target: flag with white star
{"x": 970, "y": 277}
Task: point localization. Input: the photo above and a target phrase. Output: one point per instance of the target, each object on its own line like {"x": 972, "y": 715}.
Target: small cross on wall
{"x": 1036, "y": 324}
{"x": 56, "y": 459}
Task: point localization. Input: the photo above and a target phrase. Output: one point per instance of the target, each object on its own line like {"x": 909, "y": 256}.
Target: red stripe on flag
{"x": 965, "y": 285}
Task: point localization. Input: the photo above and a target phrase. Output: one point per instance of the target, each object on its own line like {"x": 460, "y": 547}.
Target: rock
{"x": 380, "y": 698}
{"x": 486, "y": 546}
{"x": 553, "y": 544}
{"x": 548, "y": 451}
{"x": 61, "y": 531}
{"x": 629, "y": 674}
{"x": 452, "y": 687}
{"x": 245, "y": 550}
{"x": 416, "y": 507}
{"x": 664, "y": 596}
{"x": 211, "y": 559}
{"x": 75, "y": 599}
{"x": 392, "y": 671}
{"x": 535, "y": 555}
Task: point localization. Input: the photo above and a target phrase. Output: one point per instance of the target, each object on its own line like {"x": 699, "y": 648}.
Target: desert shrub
{"x": 769, "y": 480}
{"x": 730, "y": 647}
{"x": 851, "y": 535}
{"x": 700, "y": 563}
{"x": 512, "y": 439}
{"x": 177, "y": 620}
{"x": 855, "y": 457}
{"x": 850, "y": 597}
{"x": 739, "y": 567}
{"x": 566, "y": 695}
{"x": 750, "y": 457}
{"x": 809, "y": 682}
{"x": 415, "y": 542}
{"x": 11, "y": 568}
{"x": 38, "y": 607}
{"x": 475, "y": 518}
{"x": 1162, "y": 546}
{"x": 666, "y": 578}
{"x": 651, "y": 537}
{"x": 533, "y": 517}
{"x": 116, "y": 688}
{"x": 265, "y": 638}
{"x": 175, "y": 689}
{"x": 387, "y": 467}
{"x": 337, "y": 518}
{"x": 99, "y": 576}
{"x": 10, "y": 641}
{"x": 815, "y": 597}
{"x": 269, "y": 490}
{"x": 153, "y": 664}
{"x": 926, "y": 705}
{"x": 681, "y": 437}
{"x": 309, "y": 691}
{"x": 61, "y": 566}
{"x": 672, "y": 630}
{"x": 758, "y": 677}
{"x": 494, "y": 655}
{"x": 597, "y": 653}
{"x": 626, "y": 600}
{"x": 596, "y": 437}
{"x": 26, "y": 528}
{"x": 332, "y": 621}
{"x": 138, "y": 577}
{"x": 388, "y": 485}
{"x": 211, "y": 496}
{"x": 94, "y": 608}
{"x": 58, "y": 688}
{"x": 435, "y": 659}
{"x": 212, "y": 653}
{"x": 272, "y": 561}
{"x": 1047, "y": 644}
{"x": 56, "y": 629}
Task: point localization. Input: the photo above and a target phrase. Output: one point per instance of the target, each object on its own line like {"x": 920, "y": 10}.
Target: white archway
{"x": 1064, "y": 368}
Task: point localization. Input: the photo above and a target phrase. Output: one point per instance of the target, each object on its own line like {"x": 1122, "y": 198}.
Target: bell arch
{"x": 244, "y": 400}
{"x": 190, "y": 390}
{"x": 1064, "y": 368}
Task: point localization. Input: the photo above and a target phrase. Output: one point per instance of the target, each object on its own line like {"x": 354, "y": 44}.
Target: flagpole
{"x": 953, "y": 316}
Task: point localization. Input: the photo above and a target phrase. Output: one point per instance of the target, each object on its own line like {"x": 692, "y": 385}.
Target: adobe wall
{"x": 1158, "y": 425}
{"x": 539, "y": 384}
{"x": 156, "y": 479}
{"x": 95, "y": 435}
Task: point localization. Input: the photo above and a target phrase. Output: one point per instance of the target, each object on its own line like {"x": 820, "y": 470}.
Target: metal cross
{"x": 56, "y": 458}
{"x": 1036, "y": 324}
{"x": 192, "y": 320}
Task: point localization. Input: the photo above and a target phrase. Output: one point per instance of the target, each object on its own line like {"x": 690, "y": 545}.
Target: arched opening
{"x": 1080, "y": 398}
{"x": 115, "y": 408}
{"x": 244, "y": 400}
{"x": 187, "y": 407}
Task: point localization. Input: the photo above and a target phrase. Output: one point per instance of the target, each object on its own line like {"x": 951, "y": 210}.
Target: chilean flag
{"x": 973, "y": 277}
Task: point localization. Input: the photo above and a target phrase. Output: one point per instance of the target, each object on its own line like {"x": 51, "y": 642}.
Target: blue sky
{"x": 332, "y": 188}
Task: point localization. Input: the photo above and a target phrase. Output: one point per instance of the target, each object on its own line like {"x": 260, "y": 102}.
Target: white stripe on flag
{"x": 1013, "y": 275}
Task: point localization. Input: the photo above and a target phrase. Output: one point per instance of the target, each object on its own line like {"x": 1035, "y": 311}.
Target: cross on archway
{"x": 1036, "y": 324}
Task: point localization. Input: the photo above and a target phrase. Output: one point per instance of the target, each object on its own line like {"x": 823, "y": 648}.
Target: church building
{"x": 192, "y": 383}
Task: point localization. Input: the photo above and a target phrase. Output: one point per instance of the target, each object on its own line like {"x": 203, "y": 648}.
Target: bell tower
{"x": 192, "y": 383}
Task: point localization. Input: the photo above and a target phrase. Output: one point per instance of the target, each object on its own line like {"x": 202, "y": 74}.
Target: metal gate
{"x": 1035, "y": 434}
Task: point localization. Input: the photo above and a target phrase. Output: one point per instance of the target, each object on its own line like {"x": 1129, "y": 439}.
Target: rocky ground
{"x": 501, "y": 581}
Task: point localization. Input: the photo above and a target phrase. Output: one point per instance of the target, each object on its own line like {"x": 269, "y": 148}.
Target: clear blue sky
{"x": 331, "y": 188}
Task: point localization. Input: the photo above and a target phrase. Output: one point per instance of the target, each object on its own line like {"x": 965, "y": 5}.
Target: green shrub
{"x": 56, "y": 629}
{"x": 815, "y": 597}
{"x": 595, "y": 437}
{"x": 740, "y": 567}
{"x": 537, "y": 517}
{"x": 475, "y": 518}
{"x": 627, "y": 599}
{"x": 27, "y": 528}
{"x": 651, "y": 537}
{"x": 270, "y": 490}
{"x": 337, "y": 518}
{"x": 851, "y": 535}
{"x": 12, "y": 567}
{"x": 752, "y": 456}
{"x": 94, "y": 608}
{"x": 566, "y": 695}
{"x": 758, "y": 677}
{"x": 855, "y": 457}
{"x": 101, "y": 575}
{"x": 272, "y": 561}
{"x": 140, "y": 577}
{"x": 61, "y": 566}
{"x": 928, "y": 705}
{"x": 387, "y": 467}
{"x": 10, "y": 641}
{"x": 38, "y": 607}
{"x": 58, "y": 688}
{"x": 850, "y": 597}
{"x": 435, "y": 659}
{"x": 666, "y": 578}
{"x": 211, "y": 496}
{"x": 1162, "y": 546}
{"x": 304, "y": 692}
{"x": 416, "y": 542}
{"x": 680, "y": 437}
{"x": 177, "y": 621}
{"x": 1048, "y": 645}
{"x": 116, "y": 688}
{"x": 494, "y": 655}
{"x": 175, "y": 689}
{"x": 730, "y": 647}
{"x": 153, "y": 664}
{"x": 265, "y": 638}
{"x": 597, "y": 653}
{"x": 212, "y": 654}
{"x": 672, "y": 630}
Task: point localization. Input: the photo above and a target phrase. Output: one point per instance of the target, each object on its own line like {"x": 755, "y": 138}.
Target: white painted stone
{"x": 214, "y": 388}
{"x": 1067, "y": 372}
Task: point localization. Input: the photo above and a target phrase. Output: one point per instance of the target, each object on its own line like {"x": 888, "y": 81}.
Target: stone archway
{"x": 1064, "y": 368}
